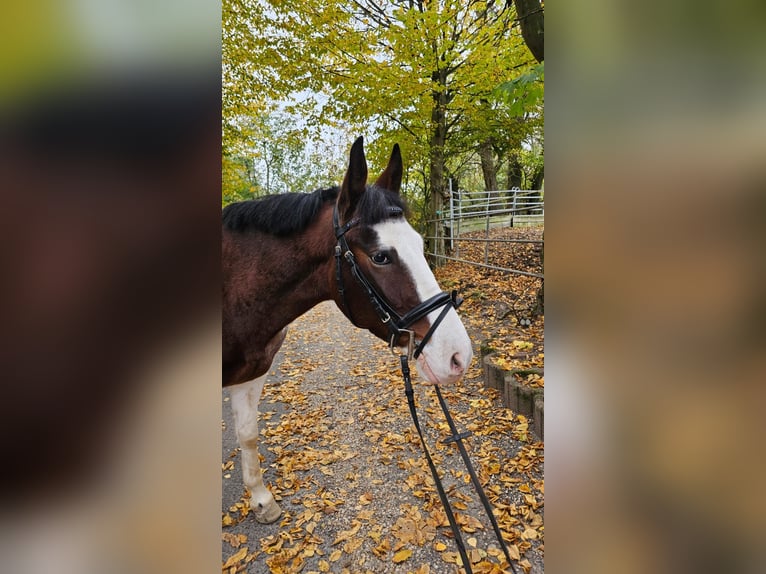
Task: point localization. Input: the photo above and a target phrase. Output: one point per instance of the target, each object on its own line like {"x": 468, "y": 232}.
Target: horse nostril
{"x": 457, "y": 363}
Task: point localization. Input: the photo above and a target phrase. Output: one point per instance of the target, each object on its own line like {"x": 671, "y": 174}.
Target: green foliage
{"x": 378, "y": 69}
{"x": 525, "y": 92}
{"x": 237, "y": 181}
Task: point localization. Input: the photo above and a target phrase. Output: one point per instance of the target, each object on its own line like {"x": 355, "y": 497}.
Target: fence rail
{"x": 474, "y": 211}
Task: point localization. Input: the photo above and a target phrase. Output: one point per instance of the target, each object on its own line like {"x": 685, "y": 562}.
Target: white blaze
{"x": 450, "y": 337}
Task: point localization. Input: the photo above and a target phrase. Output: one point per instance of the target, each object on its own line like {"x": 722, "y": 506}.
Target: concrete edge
{"x": 516, "y": 396}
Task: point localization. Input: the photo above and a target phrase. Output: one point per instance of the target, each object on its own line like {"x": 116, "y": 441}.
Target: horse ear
{"x": 355, "y": 180}
{"x": 391, "y": 178}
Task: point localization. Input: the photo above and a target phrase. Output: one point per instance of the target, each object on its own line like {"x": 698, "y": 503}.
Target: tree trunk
{"x": 437, "y": 162}
{"x": 539, "y": 308}
{"x": 531, "y": 16}
{"x": 488, "y": 165}
{"x": 514, "y": 171}
{"x": 535, "y": 183}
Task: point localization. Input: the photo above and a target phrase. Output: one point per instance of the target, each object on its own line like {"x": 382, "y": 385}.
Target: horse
{"x": 284, "y": 254}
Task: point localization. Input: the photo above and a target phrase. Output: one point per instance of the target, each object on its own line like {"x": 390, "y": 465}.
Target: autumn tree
{"x": 411, "y": 70}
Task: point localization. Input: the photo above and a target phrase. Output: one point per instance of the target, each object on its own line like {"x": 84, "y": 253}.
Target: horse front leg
{"x": 244, "y": 404}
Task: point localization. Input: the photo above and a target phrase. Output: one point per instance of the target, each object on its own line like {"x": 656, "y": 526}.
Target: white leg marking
{"x": 244, "y": 404}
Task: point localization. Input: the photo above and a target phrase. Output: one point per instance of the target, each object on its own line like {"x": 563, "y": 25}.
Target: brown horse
{"x": 282, "y": 256}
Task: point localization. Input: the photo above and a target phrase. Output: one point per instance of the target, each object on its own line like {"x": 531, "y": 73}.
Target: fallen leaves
{"x": 235, "y": 540}
{"x": 239, "y": 556}
{"x": 336, "y": 453}
{"x": 365, "y": 498}
{"x": 346, "y": 534}
{"x": 496, "y": 303}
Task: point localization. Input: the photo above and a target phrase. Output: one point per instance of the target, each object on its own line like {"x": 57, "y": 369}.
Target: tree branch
{"x": 401, "y": 124}
{"x": 379, "y": 17}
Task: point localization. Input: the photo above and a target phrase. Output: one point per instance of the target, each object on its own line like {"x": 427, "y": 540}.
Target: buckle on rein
{"x": 410, "y": 344}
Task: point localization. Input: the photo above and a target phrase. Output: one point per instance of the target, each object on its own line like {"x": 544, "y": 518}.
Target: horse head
{"x": 386, "y": 273}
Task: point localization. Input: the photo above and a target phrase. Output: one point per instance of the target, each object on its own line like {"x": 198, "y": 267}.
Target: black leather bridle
{"x": 397, "y": 324}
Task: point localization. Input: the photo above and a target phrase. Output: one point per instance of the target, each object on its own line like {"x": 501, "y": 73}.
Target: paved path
{"x": 342, "y": 456}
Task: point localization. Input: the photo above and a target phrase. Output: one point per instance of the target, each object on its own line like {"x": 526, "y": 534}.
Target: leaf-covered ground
{"x": 341, "y": 455}
{"x": 495, "y": 302}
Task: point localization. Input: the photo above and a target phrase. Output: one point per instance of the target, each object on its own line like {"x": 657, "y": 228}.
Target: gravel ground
{"x": 341, "y": 455}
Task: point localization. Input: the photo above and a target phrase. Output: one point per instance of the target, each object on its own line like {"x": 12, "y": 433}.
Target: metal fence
{"x": 483, "y": 210}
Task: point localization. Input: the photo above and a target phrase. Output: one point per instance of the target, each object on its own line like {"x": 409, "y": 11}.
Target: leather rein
{"x": 397, "y": 326}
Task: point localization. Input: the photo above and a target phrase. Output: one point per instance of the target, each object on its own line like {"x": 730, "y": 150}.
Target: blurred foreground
{"x": 655, "y": 213}
{"x": 109, "y": 340}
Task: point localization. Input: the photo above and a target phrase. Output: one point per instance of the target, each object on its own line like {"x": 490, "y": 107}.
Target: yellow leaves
{"x": 529, "y": 534}
{"x": 521, "y": 428}
{"x": 468, "y": 523}
{"x": 238, "y": 557}
{"x": 412, "y": 528}
{"x": 352, "y": 545}
{"x": 382, "y": 549}
{"x": 534, "y": 380}
{"x": 365, "y": 498}
{"x": 235, "y": 540}
{"x": 365, "y": 514}
{"x": 475, "y": 555}
{"x": 346, "y": 534}
{"x": 522, "y": 345}
{"x": 339, "y": 510}
{"x": 452, "y": 558}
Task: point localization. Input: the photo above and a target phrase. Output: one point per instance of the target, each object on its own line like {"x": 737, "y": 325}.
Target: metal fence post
{"x": 459, "y": 218}
{"x": 514, "y": 192}
{"x": 451, "y": 218}
{"x": 486, "y": 245}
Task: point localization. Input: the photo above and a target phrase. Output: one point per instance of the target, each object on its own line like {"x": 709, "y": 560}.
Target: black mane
{"x": 288, "y": 213}
{"x": 281, "y": 214}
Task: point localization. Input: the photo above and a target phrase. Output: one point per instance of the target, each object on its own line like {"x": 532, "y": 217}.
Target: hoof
{"x": 267, "y": 512}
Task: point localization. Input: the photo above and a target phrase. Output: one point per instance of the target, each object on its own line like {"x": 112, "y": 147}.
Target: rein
{"x": 398, "y": 325}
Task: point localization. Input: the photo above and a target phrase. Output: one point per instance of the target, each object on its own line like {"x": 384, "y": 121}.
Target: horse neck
{"x": 299, "y": 269}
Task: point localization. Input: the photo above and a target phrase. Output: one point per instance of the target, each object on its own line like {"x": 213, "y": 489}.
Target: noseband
{"x": 397, "y": 324}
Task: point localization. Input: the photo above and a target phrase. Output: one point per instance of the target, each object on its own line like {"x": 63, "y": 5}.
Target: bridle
{"x": 397, "y": 324}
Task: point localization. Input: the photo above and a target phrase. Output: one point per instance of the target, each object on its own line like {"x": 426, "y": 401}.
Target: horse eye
{"x": 380, "y": 258}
